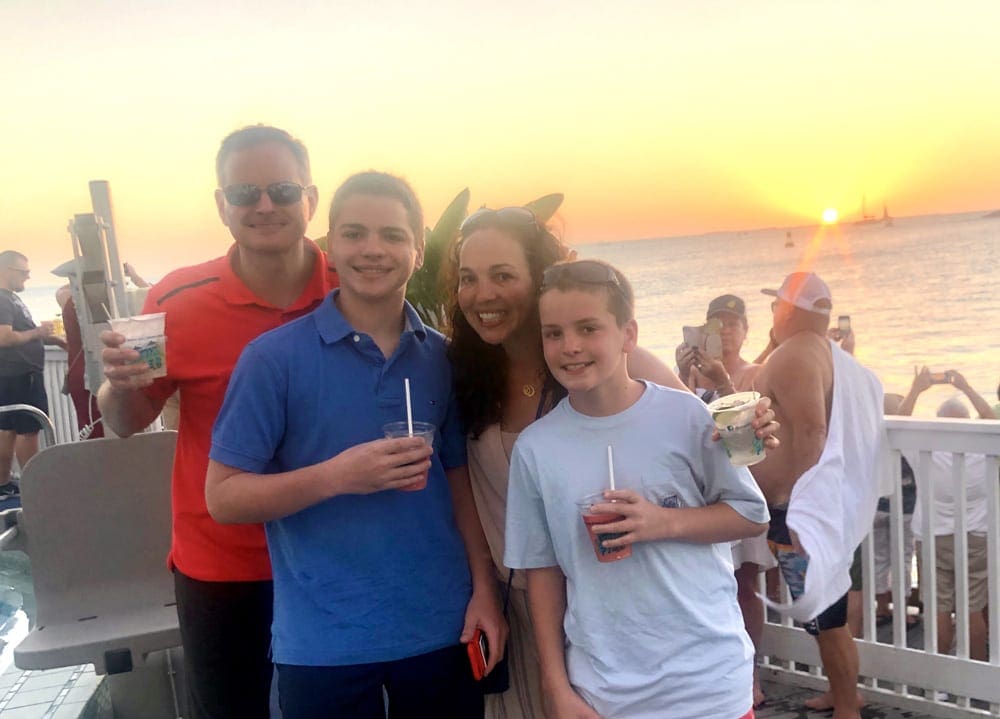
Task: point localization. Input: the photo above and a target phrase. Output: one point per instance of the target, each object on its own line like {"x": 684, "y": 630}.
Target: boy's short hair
{"x": 380, "y": 184}
{"x": 592, "y": 276}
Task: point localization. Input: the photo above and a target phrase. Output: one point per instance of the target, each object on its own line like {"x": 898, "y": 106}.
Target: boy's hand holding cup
{"x": 422, "y": 430}
{"x": 602, "y": 520}
{"x": 606, "y": 542}
{"x": 382, "y": 464}
{"x": 640, "y": 520}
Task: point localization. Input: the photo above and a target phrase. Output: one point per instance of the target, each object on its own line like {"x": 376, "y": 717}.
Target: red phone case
{"x": 477, "y": 654}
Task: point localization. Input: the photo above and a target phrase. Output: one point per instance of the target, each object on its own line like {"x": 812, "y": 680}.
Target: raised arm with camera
{"x": 842, "y": 334}
{"x": 924, "y": 378}
{"x": 977, "y": 400}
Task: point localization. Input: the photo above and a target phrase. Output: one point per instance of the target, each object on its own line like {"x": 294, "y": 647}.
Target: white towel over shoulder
{"x": 832, "y": 504}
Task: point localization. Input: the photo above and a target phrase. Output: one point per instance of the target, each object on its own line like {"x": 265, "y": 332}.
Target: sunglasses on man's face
{"x": 585, "y": 271}
{"x": 510, "y": 216}
{"x": 247, "y": 195}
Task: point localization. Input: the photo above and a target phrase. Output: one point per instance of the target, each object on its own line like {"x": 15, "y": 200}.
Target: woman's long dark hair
{"x": 480, "y": 369}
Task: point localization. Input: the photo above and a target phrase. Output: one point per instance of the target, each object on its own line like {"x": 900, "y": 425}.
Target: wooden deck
{"x": 787, "y": 702}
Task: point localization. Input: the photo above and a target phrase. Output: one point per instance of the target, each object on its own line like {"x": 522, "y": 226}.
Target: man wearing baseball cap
{"x": 821, "y": 483}
{"x": 806, "y": 291}
{"x": 730, "y": 372}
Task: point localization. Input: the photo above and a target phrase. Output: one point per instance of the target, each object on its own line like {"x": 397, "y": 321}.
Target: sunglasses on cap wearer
{"x": 248, "y": 195}
{"x": 511, "y": 216}
{"x": 585, "y": 271}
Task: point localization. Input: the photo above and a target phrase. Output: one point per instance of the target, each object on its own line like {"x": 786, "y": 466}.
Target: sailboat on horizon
{"x": 866, "y": 219}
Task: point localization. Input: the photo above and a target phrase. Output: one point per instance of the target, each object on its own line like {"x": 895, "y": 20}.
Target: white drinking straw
{"x": 611, "y": 468}
{"x": 409, "y": 409}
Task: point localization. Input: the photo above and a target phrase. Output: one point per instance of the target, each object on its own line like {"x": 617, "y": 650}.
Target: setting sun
{"x": 830, "y": 216}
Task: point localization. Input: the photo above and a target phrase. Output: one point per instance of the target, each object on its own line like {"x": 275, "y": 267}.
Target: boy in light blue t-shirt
{"x": 658, "y": 633}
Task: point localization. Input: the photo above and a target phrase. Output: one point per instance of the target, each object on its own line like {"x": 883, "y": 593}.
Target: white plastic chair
{"x": 96, "y": 526}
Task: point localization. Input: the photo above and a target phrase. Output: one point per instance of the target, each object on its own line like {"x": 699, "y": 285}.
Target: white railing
{"x": 891, "y": 672}
{"x": 61, "y": 410}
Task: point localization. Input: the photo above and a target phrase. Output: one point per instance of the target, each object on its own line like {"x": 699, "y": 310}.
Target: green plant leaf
{"x": 545, "y": 207}
{"x": 424, "y": 290}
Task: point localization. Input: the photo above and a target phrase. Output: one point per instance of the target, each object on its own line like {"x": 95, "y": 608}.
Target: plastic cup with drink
{"x": 145, "y": 334}
{"x": 58, "y": 327}
{"x": 733, "y": 415}
{"x": 592, "y": 519}
{"x": 410, "y": 428}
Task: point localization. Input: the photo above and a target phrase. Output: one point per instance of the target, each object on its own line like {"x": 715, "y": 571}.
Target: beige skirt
{"x": 524, "y": 698}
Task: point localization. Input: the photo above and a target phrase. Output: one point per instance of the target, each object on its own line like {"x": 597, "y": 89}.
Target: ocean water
{"x": 922, "y": 291}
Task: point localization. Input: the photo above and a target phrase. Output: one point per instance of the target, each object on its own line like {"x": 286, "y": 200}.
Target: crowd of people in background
{"x": 299, "y": 543}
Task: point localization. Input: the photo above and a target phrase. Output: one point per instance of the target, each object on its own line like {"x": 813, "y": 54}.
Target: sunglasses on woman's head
{"x": 585, "y": 271}
{"x": 247, "y": 195}
{"x": 511, "y": 216}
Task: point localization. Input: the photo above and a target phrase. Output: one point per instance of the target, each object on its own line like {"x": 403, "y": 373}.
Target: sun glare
{"x": 830, "y": 216}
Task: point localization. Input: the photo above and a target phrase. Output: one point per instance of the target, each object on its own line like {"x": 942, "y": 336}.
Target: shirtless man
{"x": 798, "y": 377}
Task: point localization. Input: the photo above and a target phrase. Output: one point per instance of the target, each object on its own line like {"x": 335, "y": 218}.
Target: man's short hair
{"x": 8, "y": 257}
{"x": 953, "y": 407}
{"x": 379, "y": 184}
{"x": 254, "y": 135}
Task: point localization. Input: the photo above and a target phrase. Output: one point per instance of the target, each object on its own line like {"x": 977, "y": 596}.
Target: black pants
{"x": 226, "y": 633}
{"x": 436, "y": 684}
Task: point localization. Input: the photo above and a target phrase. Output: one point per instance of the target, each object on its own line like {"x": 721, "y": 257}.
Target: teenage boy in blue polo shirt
{"x": 374, "y": 587}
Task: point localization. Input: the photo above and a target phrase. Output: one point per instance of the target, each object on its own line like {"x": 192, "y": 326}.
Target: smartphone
{"x": 479, "y": 654}
{"x": 940, "y": 377}
{"x": 712, "y": 338}
{"x": 692, "y": 336}
{"x": 844, "y": 324}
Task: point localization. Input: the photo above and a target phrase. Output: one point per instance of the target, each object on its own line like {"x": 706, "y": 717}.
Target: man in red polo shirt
{"x": 270, "y": 275}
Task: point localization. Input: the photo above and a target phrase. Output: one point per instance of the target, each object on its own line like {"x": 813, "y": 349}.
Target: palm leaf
{"x": 544, "y": 207}
{"x": 424, "y": 290}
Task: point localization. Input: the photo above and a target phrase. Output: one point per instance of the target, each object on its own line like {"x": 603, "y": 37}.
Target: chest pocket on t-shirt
{"x": 669, "y": 482}
{"x": 663, "y": 491}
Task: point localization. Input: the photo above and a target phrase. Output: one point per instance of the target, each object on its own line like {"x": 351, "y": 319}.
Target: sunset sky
{"x": 654, "y": 118}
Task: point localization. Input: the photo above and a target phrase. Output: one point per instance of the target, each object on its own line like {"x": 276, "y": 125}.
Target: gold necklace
{"x": 529, "y": 389}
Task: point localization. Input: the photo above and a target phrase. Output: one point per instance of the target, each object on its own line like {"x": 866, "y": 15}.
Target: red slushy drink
{"x": 592, "y": 519}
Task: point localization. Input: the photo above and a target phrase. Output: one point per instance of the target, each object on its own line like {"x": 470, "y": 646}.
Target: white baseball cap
{"x": 806, "y": 291}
